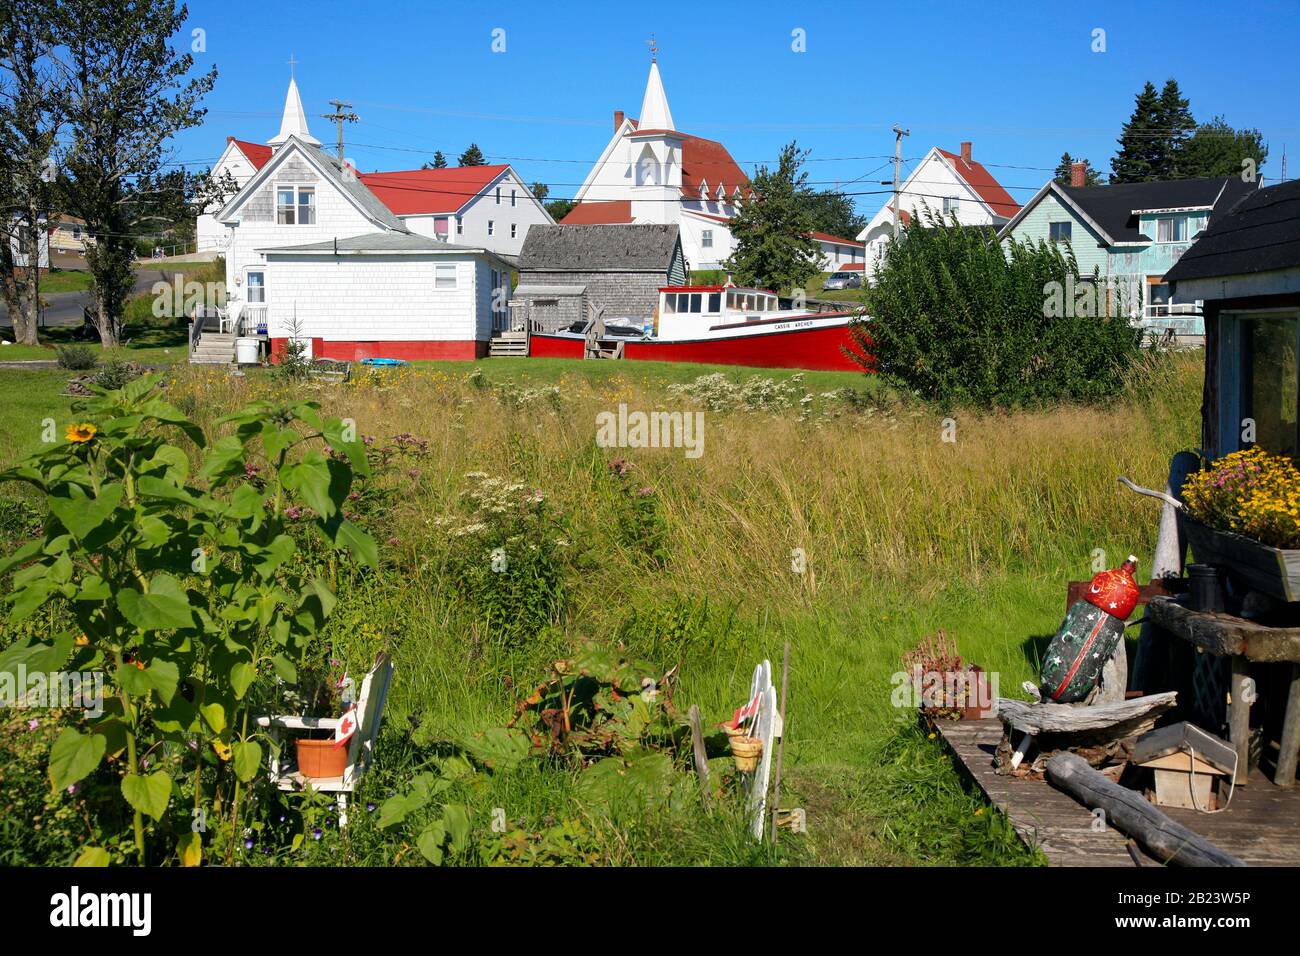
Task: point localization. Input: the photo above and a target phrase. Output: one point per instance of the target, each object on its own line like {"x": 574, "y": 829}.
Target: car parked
{"x": 843, "y": 280}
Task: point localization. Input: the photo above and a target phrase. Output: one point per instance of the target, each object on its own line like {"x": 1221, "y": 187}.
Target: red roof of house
{"x": 417, "y": 192}
{"x": 827, "y": 237}
{"x": 982, "y": 181}
{"x": 849, "y": 267}
{"x": 256, "y": 153}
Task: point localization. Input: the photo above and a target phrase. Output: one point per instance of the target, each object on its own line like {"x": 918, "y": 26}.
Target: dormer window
{"x": 295, "y": 205}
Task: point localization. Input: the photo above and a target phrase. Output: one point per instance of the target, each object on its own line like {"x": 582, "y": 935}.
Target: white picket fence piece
{"x": 766, "y": 726}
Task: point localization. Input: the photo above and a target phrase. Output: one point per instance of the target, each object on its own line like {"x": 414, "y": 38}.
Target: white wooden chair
{"x": 370, "y": 711}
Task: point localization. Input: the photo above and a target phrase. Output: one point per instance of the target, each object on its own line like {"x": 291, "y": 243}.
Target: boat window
{"x": 683, "y": 302}
{"x": 696, "y": 300}
{"x": 715, "y": 301}
{"x": 670, "y": 304}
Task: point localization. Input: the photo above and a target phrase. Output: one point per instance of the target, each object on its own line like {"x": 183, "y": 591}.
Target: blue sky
{"x": 1020, "y": 80}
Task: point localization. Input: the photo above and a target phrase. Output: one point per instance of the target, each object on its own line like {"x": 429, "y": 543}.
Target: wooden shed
{"x": 1246, "y": 269}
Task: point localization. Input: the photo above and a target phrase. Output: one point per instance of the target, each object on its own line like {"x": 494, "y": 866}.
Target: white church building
{"x": 651, "y": 172}
{"x": 384, "y": 265}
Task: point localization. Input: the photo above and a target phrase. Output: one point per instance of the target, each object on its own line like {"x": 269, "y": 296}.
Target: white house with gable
{"x": 945, "y": 184}
{"x": 651, "y": 172}
{"x": 313, "y": 253}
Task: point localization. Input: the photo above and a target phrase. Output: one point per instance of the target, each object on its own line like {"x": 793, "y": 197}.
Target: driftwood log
{"x": 1130, "y": 813}
{"x": 1075, "y": 726}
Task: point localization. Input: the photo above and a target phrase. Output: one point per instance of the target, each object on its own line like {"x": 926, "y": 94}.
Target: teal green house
{"x": 1131, "y": 234}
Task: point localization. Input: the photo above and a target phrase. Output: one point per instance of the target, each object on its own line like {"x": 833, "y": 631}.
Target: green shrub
{"x": 76, "y": 358}
{"x": 115, "y": 373}
{"x": 508, "y": 557}
{"x": 955, "y": 317}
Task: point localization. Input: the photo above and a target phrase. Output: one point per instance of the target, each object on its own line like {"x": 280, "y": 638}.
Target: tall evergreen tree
{"x": 439, "y": 161}
{"x": 1175, "y": 126}
{"x": 129, "y": 94}
{"x": 1139, "y": 154}
{"x": 1217, "y": 149}
{"x": 773, "y": 248}
{"x": 1064, "y": 171}
{"x": 472, "y": 157}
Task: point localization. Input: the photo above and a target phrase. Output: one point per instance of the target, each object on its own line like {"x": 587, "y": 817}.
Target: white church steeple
{"x": 294, "y": 121}
{"x": 655, "y": 113}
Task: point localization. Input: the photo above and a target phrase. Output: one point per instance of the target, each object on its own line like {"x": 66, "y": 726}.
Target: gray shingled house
{"x": 567, "y": 273}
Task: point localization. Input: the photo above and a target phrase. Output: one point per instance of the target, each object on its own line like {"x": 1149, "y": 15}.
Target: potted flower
{"x": 1243, "y": 513}
{"x": 318, "y": 694}
{"x": 942, "y": 686}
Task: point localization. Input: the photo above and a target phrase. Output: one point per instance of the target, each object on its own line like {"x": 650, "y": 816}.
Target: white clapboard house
{"x": 388, "y": 265}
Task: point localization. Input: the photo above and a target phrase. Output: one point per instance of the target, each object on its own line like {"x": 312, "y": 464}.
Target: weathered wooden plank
{"x": 1128, "y": 810}
{"x": 1225, "y": 635}
{"x": 1290, "y": 742}
{"x": 1112, "y": 721}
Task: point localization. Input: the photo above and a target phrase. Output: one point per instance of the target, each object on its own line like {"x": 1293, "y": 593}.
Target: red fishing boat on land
{"x": 719, "y": 324}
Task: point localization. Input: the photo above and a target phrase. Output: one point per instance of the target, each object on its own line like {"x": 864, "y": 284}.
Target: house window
{"x": 498, "y": 195}
{"x": 492, "y": 227}
{"x": 460, "y": 226}
{"x": 444, "y": 276}
{"x": 514, "y": 231}
{"x": 512, "y": 197}
{"x": 706, "y": 238}
{"x": 440, "y": 228}
{"x": 256, "y": 285}
{"x": 951, "y": 205}
{"x": 1266, "y": 382}
{"x": 295, "y": 205}
{"x": 1060, "y": 231}
{"x": 1169, "y": 230}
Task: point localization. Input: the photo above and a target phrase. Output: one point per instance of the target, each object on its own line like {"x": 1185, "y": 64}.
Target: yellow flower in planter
{"x": 81, "y": 433}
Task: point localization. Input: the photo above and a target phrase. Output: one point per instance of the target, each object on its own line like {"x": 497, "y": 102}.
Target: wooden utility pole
{"x": 339, "y": 117}
{"x": 899, "y": 133}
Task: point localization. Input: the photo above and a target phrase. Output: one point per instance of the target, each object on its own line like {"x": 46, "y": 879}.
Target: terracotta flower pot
{"x": 320, "y": 758}
{"x": 745, "y": 751}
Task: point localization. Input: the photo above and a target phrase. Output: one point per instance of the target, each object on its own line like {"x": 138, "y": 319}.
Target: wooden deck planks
{"x": 1261, "y": 827}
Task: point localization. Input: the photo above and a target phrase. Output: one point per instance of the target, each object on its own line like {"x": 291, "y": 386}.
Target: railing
{"x": 252, "y": 321}
{"x": 1166, "y": 310}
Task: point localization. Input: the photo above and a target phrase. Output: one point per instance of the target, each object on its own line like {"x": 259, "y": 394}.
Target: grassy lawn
{"x": 148, "y": 346}
{"x": 903, "y": 534}
{"x": 66, "y": 280}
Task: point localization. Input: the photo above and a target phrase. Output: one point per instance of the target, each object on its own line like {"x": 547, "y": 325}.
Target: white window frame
{"x": 951, "y": 204}
{"x": 492, "y": 225}
{"x": 248, "y": 284}
{"x": 513, "y": 197}
{"x": 440, "y": 270}
{"x": 297, "y": 205}
{"x": 498, "y": 195}
{"x": 514, "y": 230}
{"x": 706, "y": 238}
{"x": 1174, "y": 223}
{"x": 460, "y": 224}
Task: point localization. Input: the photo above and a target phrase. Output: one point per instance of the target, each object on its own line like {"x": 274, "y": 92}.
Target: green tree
{"x": 559, "y": 208}
{"x": 833, "y": 212}
{"x": 540, "y": 191}
{"x": 472, "y": 157}
{"x": 129, "y": 94}
{"x": 1064, "y": 171}
{"x": 439, "y": 161}
{"x": 1139, "y": 155}
{"x": 31, "y": 112}
{"x": 1217, "y": 149}
{"x": 956, "y": 317}
{"x": 773, "y": 248}
{"x": 1175, "y": 125}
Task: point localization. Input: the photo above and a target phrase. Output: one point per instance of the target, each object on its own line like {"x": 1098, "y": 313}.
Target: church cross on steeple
{"x": 654, "y": 48}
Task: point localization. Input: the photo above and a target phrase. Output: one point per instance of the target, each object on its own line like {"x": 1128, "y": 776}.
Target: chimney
{"x": 965, "y": 152}
{"x": 1079, "y": 174}
{"x": 618, "y": 120}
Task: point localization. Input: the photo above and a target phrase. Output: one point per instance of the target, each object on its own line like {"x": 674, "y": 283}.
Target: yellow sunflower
{"x": 82, "y": 432}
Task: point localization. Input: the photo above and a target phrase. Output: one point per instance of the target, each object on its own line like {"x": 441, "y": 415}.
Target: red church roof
{"x": 256, "y": 153}
{"x": 982, "y": 181}
{"x": 415, "y": 192}
{"x": 704, "y": 161}
{"x": 599, "y": 213}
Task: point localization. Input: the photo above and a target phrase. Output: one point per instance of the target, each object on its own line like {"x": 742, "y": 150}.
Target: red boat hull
{"x": 821, "y": 349}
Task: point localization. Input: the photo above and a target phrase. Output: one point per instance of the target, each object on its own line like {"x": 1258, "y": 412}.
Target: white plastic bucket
{"x": 246, "y": 351}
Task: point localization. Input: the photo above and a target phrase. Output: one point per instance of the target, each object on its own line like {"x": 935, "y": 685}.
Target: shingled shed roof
{"x": 1260, "y": 233}
{"x": 631, "y": 247}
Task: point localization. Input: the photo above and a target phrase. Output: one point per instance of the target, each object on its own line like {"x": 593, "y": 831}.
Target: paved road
{"x": 65, "y": 308}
